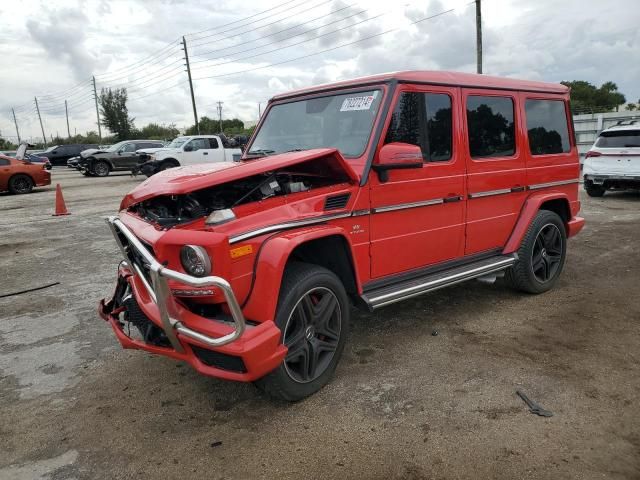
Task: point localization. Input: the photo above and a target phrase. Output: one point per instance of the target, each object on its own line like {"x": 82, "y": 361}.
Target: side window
{"x": 128, "y": 147}
{"x": 213, "y": 143}
{"x": 199, "y": 144}
{"x": 490, "y": 121}
{"x": 4, "y": 161}
{"x": 547, "y": 127}
{"x": 423, "y": 119}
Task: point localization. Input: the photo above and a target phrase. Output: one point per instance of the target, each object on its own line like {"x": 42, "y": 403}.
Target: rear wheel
{"x": 594, "y": 190}
{"x": 20, "y": 184}
{"x": 313, "y": 315}
{"x": 101, "y": 168}
{"x": 541, "y": 255}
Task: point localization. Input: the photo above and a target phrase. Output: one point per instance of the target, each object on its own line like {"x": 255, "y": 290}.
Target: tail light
{"x": 592, "y": 153}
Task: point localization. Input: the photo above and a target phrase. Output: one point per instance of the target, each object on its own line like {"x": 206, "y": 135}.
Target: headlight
{"x": 195, "y": 260}
{"x": 152, "y": 157}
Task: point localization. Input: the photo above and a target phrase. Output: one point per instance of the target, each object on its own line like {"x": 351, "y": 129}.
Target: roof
{"x": 632, "y": 125}
{"x": 439, "y": 78}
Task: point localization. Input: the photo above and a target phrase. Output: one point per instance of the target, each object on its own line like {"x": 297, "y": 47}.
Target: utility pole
{"x": 479, "y": 35}
{"x": 95, "y": 96}
{"x": 16, "y": 123}
{"x": 44, "y": 137}
{"x": 66, "y": 111}
{"x": 259, "y": 110}
{"x": 219, "y": 107}
{"x": 193, "y": 98}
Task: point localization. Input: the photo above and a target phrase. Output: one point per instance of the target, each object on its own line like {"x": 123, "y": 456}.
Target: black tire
{"x": 594, "y": 190}
{"x": 20, "y": 184}
{"x": 100, "y": 168}
{"x": 541, "y": 255}
{"x": 316, "y": 343}
{"x": 169, "y": 163}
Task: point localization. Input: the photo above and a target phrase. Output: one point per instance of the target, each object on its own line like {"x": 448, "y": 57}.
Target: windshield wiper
{"x": 262, "y": 152}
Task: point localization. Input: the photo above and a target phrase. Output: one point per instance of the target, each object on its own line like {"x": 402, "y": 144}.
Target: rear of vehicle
{"x": 19, "y": 176}
{"x": 614, "y": 161}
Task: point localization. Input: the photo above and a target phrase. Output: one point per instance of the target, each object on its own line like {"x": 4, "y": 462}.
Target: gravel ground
{"x": 405, "y": 403}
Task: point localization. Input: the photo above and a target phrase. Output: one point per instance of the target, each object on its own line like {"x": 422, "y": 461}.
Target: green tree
{"x": 587, "y": 97}
{"x": 210, "y": 126}
{"x": 115, "y": 115}
{"x": 631, "y": 107}
{"x": 155, "y": 131}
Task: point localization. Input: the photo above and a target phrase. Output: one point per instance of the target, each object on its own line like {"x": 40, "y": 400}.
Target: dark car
{"x": 121, "y": 156}
{"x": 59, "y": 154}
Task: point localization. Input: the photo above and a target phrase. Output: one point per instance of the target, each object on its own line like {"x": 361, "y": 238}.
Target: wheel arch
{"x": 169, "y": 159}
{"x": 556, "y": 202}
{"x": 326, "y": 246}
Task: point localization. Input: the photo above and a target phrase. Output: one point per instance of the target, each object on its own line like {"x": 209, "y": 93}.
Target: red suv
{"x": 364, "y": 192}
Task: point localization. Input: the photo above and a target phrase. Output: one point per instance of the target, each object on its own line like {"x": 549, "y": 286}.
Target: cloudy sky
{"x": 242, "y": 53}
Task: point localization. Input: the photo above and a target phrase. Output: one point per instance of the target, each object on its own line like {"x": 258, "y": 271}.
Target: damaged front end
{"x": 163, "y": 306}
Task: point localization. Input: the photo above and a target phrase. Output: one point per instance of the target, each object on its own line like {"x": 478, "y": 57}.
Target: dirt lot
{"x": 404, "y": 403}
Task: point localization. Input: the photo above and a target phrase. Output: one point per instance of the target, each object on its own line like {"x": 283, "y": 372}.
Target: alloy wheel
{"x": 547, "y": 253}
{"x": 101, "y": 169}
{"x": 312, "y": 334}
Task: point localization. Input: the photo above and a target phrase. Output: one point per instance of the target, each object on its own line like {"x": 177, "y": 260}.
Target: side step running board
{"x": 400, "y": 291}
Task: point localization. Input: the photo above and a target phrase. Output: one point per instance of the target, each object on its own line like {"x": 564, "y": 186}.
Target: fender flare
{"x": 528, "y": 212}
{"x": 262, "y": 300}
{"x": 169, "y": 159}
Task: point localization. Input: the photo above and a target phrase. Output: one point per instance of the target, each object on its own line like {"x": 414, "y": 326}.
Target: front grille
{"x": 219, "y": 360}
{"x": 136, "y": 258}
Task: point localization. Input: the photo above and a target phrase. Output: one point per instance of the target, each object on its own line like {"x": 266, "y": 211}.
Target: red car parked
{"x": 364, "y": 192}
{"x": 18, "y": 175}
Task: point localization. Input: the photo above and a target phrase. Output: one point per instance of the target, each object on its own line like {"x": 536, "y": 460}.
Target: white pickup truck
{"x": 187, "y": 150}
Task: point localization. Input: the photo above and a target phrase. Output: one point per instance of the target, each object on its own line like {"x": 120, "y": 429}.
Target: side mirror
{"x": 397, "y": 155}
{"x": 188, "y": 148}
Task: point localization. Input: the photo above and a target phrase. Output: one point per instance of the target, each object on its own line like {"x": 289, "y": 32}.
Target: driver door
{"x": 418, "y": 214}
{"x": 127, "y": 157}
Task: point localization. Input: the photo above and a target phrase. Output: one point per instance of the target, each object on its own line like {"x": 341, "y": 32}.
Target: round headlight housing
{"x": 195, "y": 260}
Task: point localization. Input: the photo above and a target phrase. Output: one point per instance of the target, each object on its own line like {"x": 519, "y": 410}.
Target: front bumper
{"x": 192, "y": 338}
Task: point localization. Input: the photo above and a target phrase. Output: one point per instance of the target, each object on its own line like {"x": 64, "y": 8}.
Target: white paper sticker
{"x": 358, "y": 103}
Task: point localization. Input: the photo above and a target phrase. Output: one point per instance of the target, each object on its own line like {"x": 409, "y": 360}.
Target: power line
{"x": 430, "y": 17}
{"x": 142, "y": 68}
{"x": 146, "y": 59}
{"x": 255, "y": 28}
{"x": 293, "y": 44}
{"x": 242, "y": 19}
{"x": 281, "y": 31}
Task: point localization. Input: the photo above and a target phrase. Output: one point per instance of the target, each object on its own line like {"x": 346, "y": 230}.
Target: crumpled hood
{"x": 90, "y": 151}
{"x": 181, "y": 180}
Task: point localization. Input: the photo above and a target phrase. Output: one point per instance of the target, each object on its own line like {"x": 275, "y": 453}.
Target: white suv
{"x": 614, "y": 160}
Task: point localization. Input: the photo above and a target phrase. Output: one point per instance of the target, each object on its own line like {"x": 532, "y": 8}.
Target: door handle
{"x": 452, "y": 198}
{"x": 205, "y": 153}
{"x": 518, "y": 188}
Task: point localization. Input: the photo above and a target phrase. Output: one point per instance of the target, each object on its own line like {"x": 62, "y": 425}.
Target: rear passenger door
{"x": 496, "y": 180}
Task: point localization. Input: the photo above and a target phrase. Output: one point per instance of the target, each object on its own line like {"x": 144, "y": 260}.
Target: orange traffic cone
{"x": 61, "y": 208}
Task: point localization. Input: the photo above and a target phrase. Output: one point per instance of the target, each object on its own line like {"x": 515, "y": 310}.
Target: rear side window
{"x": 547, "y": 127}
{"x": 619, "y": 139}
{"x": 491, "y": 126}
{"x": 4, "y": 161}
{"x": 213, "y": 143}
{"x": 423, "y": 119}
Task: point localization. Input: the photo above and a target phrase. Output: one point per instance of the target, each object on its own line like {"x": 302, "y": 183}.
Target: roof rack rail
{"x": 626, "y": 122}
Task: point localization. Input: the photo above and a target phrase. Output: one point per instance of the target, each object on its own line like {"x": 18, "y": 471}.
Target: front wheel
{"x": 313, "y": 316}
{"x": 101, "y": 168}
{"x": 541, "y": 255}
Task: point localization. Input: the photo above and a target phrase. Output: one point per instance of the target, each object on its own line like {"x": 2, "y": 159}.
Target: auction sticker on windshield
{"x": 358, "y": 103}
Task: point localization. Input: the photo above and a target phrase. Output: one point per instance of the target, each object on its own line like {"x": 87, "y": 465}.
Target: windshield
{"x": 51, "y": 149}
{"x": 337, "y": 121}
{"x": 115, "y": 148}
{"x": 619, "y": 139}
{"x": 178, "y": 142}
